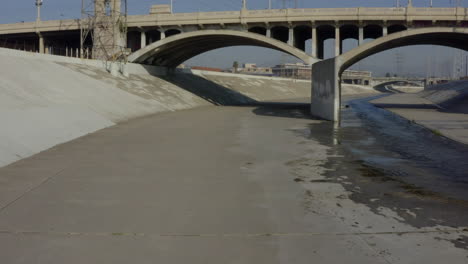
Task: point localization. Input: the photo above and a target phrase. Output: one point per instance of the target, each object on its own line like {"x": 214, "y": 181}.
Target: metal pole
{"x": 172, "y": 3}
{"x": 81, "y": 28}
{"x": 431, "y": 3}
{"x": 269, "y": 4}
{"x": 410, "y": 3}
{"x": 244, "y": 4}
{"x": 38, "y": 5}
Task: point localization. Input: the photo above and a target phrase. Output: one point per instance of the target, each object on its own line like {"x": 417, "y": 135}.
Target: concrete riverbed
{"x": 257, "y": 184}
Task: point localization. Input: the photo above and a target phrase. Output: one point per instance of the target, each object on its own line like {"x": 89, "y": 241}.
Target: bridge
{"x": 326, "y": 74}
{"x": 293, "y": 27}
{"x": 167, "y": 39}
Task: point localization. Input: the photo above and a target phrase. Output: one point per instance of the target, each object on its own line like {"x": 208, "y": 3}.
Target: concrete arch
{"x": 302, "y": 33}
{"x": 174, "y": 50}
{"x": 349, "y": 31}
{"x": 373, "y": 31}
{"x": 324, "y": 32}
{"x": 443, "y": 36}
{"x": 172, "y": 32}
{"x": 258, "y": 30}
{"x": 381, "y": 86}
{"x": 280, "y": 33}
{"x": 326, "y": 75}
{"x": 396, "y": 28}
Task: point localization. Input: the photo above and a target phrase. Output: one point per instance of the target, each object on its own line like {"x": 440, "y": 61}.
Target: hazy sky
{"x": 415, "y": 59}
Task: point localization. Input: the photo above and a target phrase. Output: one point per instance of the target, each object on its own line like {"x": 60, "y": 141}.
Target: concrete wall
{"x": 259, "y": 88}
{"x": 325, "y": 101}
{"x": 446, "y": 94}
{"x": 44, "y": 103}
{"x": 47, "y": 100}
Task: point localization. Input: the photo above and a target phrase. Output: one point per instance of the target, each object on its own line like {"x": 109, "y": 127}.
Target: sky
{"x": 417, "y": 60}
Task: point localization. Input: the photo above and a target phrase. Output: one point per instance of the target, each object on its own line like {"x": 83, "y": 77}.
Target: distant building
{"x": 253, "y": 69}
{"x": 293, "y": 70}
{"x": 356, "y": 77}
{"x": 201, "y": 68}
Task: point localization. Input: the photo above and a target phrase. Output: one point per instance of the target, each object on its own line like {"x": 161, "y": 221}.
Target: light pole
{"x": 410, "y": 3}
{"x": 38, "y": 20}
{"x": 244, "y": 4}
{"x": 38, "y": 5}
{"x": 172, "y": 9}
{"x": 269, "y": 4}
{"x": 431, "y": 3}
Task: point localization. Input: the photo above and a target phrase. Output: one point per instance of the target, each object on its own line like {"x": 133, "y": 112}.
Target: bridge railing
{"x": 258, "y": 16}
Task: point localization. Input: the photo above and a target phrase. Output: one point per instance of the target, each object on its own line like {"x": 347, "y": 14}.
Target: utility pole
{"x": 38, "y": 5}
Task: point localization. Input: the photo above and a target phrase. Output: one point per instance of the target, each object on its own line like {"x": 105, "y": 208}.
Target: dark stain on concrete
{"x": 389, "y": 162}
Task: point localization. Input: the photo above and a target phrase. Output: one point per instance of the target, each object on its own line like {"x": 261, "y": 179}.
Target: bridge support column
{"x": 337, "y": 41}
{"x": 325, "y": 101}
{"x": 163, "y": 34}
{"x": 361, "y": 35}
{"x": 291, "y": 36}
{"x": 143, "y": 39}
{"x": 314, "y": 42}
{"x": 384, "y": 30}
{"x": 41, "y": 44}
{"x": 268, "y": 33}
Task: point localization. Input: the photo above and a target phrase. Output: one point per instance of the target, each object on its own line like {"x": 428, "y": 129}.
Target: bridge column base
{"x": 326, "y": 95}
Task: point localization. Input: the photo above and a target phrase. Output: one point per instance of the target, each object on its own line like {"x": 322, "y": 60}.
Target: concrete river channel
{"x": 257, "y": 184}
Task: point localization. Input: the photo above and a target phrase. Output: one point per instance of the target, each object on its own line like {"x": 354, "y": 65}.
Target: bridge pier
{"x": 384, "y": 30}
{"x": 143, "y": 39}
{"x": 41, "y": 44}
{"x": 337, "y": 41}
{"x": 314, "y": 42}
{"x": 291, "y": 36}
{"x": 361, "y": 35}
{"x": 325, "y": 102}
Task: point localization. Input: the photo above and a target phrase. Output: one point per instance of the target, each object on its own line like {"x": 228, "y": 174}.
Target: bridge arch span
{"x": 326, "y": 75}
{"x": 259, "y": 30}
{"x": 174, "y": 50}
{"x": 442, "y": 36}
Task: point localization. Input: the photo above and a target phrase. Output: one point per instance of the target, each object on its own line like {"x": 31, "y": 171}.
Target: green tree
{"x": 235, "y": 65}
{"x": 388, "y": 75}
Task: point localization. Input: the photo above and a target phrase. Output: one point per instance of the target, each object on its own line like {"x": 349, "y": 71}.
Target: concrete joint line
{"x": 233, "y": 235}
{"x": 32, "y": 189}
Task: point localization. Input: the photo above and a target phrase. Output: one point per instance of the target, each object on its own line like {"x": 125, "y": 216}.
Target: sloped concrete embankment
{"x": 452, "y": 95}
{"x": 258, "y": 87}
{"x": 441, "y": 108}
{"x": 47, "y": 100}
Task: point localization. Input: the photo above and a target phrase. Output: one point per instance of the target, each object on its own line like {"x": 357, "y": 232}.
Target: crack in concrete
{"x": 238, "y": 235}
{"x": 32, "y": 189}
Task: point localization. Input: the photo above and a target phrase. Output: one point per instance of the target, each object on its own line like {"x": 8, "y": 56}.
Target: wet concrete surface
{"x": 397, "y": 163}
{"x": 256, "y": 184}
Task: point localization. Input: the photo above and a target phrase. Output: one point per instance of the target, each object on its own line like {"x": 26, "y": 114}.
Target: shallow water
{"x": 397, "y": 162}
